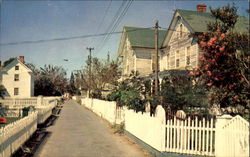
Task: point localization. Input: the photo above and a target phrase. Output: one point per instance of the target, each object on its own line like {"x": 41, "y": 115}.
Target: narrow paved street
{"x": 80, "y": 133}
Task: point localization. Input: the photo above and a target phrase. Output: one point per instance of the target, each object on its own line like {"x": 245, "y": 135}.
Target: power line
{"x": 76, "y": 37}
{"x": 103, "y": 18}
{"x": 116, "y": 24}
{"x": 112, "y": 22}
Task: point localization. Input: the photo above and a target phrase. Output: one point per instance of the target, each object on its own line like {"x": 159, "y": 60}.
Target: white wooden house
{"x": 135, "y": 49}
{"x": 180, "y": 49}
{"x": 17, "y": 79}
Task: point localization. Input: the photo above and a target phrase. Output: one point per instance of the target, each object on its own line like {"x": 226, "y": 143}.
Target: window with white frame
{"x": 16, "y": 91}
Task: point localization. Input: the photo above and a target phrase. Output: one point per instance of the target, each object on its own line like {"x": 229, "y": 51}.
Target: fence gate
{"x": 235, "y": 138}
{"x": 190, "y": 136}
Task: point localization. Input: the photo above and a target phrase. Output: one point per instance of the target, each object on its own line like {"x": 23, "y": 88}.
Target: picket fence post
{"x": 220, "y": 135}
{"x": 40, "y": 100}
{"x": 160, "y": 114}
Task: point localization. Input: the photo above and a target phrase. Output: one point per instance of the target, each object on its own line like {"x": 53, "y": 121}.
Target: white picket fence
{"x": 224, "y": 136}
{"x": 190, "y": 136}
{"x": 105, "y": 109}
{"x": 16, "y": 134}
{"x": 44, "y": 112}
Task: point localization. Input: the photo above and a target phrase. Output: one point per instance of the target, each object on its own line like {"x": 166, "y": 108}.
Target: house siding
{"x": 177, "y": 49}
{"x": 25, "y": 84}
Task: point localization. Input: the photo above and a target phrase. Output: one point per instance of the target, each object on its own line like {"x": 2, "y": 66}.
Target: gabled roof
{"x": 198, "y": 20}
{"x": 143, "y": 37}
{"x": 13, "y": 63}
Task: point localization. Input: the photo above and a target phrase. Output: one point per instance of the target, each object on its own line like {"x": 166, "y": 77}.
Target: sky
{"x": 29, "y": 20}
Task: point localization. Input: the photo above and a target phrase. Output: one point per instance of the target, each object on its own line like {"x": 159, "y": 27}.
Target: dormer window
{"x": 16, "y": 77}
{"x": 16, "y": 67}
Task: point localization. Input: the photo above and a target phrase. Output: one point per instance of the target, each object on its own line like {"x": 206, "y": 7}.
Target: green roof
{"x": 198, "y": 21}
{"x": 143, "y": 37}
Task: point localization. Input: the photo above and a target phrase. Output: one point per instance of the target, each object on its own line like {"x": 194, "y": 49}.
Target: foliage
{"x": 129, "y": 93}
{"x": 8, "y": 61}
{"x": 71, "y": 87}
{"x": 182, "y": 92}
{"x": 49, "y": 80}
{"x": 225, "y": 60}
{"x": 2, "y": 91}
{"x": 119, "y": 128}
{"x": 98, "y": 75}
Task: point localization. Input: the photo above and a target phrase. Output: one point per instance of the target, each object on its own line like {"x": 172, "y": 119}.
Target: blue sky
{"x": 38, "y": 20}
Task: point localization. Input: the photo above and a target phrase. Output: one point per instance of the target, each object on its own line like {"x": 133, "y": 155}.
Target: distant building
{"x": 136, "y": 48}
{"x": 17, "y": 79}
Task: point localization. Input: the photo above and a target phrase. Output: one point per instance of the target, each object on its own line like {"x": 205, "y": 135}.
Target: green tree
{"x": 98, "y": 75}
{"x": 71, "y": 87}
{"x": 179, "y": 91}
{"x": 50, "y": 81}
{"x": 130, "y": 93}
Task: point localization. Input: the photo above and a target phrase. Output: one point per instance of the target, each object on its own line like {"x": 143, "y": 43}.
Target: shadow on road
{"x": 32, "y": 146}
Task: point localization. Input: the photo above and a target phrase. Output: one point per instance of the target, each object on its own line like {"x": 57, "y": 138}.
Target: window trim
{"x": 17, "y": 67}
{"x": 16, "y": 91}
{"x": 16, "y": 77}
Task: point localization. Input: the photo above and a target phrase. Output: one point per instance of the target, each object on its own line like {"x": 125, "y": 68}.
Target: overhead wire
{"x": 115, "y": 25}
{"x": 103, "y": 18}
{"x": 78, "y": 37}
{"x": 112, "y": 22}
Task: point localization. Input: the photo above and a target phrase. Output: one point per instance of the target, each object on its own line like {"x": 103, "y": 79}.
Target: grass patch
{"x": 119, "y": 128}
{"x": 10, "y": 120}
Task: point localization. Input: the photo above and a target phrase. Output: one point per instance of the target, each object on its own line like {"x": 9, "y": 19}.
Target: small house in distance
{"x": 136, "y": 48}
{"x": 17, "y": 79}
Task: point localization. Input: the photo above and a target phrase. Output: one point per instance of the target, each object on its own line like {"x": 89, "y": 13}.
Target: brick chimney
{"x": 21, "y": 59}
{"x": 202, "y": 8}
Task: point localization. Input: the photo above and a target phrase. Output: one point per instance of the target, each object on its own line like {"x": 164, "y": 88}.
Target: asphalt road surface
{"x": 78, "y": 132}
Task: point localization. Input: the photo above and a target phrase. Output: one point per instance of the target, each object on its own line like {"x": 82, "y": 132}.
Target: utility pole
{"x": 156, "y": 60}
{"x": 90, "y": 57}
{"x": 108, "y": 59}
{"x": 90, "y": 66}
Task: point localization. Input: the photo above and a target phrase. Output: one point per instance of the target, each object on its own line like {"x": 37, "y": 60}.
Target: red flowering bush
{"x": 3, "y": 120}
{"x": 224, "y": 62}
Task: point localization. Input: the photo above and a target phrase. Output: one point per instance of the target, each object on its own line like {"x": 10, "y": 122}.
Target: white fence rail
{"x": 24, "y": 102}
{"x": 15, "y": 134}
{"x": 19, "y": 101}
